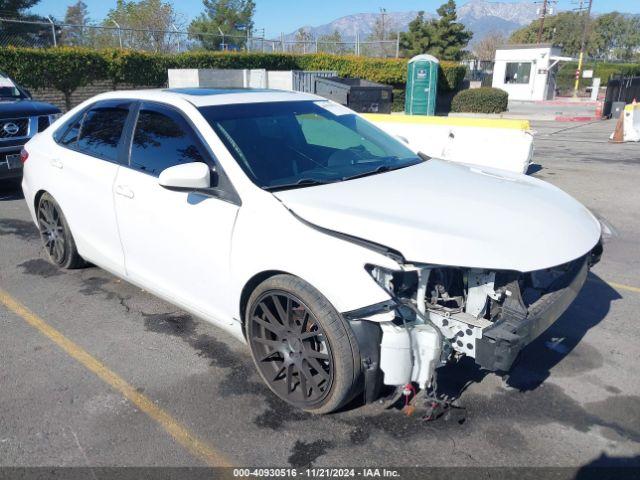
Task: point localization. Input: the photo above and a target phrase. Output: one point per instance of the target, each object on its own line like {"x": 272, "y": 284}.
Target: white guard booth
{"x": 527, "y": 72}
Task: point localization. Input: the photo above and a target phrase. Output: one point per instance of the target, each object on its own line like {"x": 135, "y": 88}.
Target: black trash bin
{"x": 359, "y": 95}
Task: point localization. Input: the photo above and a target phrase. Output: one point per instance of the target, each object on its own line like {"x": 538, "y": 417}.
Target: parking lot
{"x": 95, "y": 372}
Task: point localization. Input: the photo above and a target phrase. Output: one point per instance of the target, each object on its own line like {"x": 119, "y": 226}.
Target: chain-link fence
{"x": 30, "y": 33}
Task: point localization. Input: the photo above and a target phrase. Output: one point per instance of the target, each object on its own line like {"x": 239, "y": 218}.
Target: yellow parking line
{"x": 181, "y": 434}
{"x": 622, "y": 286}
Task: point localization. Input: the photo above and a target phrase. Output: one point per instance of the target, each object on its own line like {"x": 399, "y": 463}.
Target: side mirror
{"x": 187, "y": 177}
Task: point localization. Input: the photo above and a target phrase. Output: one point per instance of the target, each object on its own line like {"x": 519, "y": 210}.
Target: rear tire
{"x": 303, "y": 349}
{"x": 56, "y": 234}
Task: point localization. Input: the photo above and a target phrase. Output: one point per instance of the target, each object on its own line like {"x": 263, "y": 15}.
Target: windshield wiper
{"x": 380, "y": 169}
{"x": 383, "y": 168}
{"x": 303, "y": 182}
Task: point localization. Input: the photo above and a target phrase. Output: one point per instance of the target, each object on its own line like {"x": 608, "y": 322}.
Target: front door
{"x": 177, "y": 244}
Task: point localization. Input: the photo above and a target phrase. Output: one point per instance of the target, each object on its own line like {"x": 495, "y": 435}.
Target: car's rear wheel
{"x": 302, "y": 347}
{"x": 56, "y": 235}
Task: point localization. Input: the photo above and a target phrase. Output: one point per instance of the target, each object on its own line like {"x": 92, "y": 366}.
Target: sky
{"x": 277, "y": 16}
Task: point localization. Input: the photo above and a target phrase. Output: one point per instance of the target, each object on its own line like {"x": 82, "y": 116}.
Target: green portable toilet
{"x": 422, "y": 85}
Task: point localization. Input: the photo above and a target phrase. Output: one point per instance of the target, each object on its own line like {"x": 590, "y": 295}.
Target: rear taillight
{"x": 24, "y": 155}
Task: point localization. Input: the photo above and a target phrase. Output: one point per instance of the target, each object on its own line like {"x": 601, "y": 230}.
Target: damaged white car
{"x": 343, "y": 259}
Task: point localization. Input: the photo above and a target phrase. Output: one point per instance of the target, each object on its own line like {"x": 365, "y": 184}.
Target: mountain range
{"x": 479, "y": 16}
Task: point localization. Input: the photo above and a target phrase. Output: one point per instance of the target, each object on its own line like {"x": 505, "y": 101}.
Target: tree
{"x": 143, "y": 25}
{"x": 382, "y": 41}
{"x": 234, "y": 18}
{"x": 303, "y": 37}
{"x": 485, "y": 49}
{"x": 564, "y": 30}
{"x": 23, "y": 34}
{"x": 443, "y": 37}
{"x": 618, "y": 35}
{"x": 78, "y": 16}
{"x": 331, "y": 43}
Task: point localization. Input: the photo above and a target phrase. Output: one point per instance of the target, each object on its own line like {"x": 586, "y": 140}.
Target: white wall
{"x": 539, "y": 58}
{"x": 221, "y": 78}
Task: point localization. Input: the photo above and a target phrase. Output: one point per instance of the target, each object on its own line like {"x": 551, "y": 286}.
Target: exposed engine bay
{"x": 438, "y": 314}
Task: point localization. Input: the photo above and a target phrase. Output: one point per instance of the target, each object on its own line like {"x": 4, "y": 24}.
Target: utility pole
{"x": 583, "y": 44}
{"x": 542, "y": 17}
{"x": 383, "y": 14}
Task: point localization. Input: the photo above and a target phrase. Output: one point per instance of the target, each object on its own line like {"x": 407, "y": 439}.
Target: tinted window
{"x": 101, "y": 131}
{"x": 162, "y": 140}
{"x": 67, "y": 134}
{"x": 70, "y": 133}
{"x": 293, "y": 144}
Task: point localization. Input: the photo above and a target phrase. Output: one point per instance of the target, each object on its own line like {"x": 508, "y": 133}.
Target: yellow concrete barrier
{"x": 488, "y": 142}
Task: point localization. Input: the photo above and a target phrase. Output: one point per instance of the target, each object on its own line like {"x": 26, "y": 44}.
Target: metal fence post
{"x": 398, "y": 45}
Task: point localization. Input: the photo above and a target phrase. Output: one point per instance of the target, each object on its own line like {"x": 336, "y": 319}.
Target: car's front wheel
{"x": 56, "y": 235}
{"x": 303, "y": 348}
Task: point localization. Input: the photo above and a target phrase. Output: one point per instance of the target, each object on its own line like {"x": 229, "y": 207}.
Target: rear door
{"x": 175, "y": 243}
{"x": 86, "y": 165}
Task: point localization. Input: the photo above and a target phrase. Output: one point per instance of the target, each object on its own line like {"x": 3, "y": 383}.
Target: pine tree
{"x": 443, "y": 37}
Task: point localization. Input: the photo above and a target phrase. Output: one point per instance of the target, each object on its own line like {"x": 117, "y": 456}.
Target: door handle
{"x": 56, "y": 163}
{"x": 124, "y": 191}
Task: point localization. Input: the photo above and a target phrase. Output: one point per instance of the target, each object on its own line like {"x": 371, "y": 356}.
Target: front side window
{"x": 288, "y": 144}
{"x": 518, "y": 72}
{"x": 100, "y": 132}
{"x": 161, "y": 140}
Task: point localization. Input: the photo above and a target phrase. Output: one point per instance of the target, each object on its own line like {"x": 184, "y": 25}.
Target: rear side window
{"x": 162, "y": 139}
{"x": 100, "y": 132}
{"x": 71, "y": 136}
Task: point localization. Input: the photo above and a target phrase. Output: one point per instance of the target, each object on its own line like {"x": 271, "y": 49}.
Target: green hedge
{"x": 567, "y": 72}
{"x": 480, "y": 100}
{"x": 69, "y": 68}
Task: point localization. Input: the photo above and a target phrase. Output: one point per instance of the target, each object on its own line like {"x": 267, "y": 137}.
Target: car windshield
{"x": 8, "y": 89}
{"x": 283, "y": 145}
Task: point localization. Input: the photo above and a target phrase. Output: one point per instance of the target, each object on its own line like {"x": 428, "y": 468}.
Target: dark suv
{"x": 20, "y": 119}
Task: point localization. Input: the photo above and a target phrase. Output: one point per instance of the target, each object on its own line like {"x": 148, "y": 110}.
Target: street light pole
{"x": 119, "y": 32}
{"x": 583, "y": 44}
{"x": 53, "y": 31}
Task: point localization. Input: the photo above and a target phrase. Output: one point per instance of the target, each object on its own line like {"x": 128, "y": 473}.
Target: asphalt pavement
{"x": 96, "y": 372}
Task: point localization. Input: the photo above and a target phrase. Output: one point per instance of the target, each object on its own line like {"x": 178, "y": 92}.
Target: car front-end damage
{"x": 437, "y": 314}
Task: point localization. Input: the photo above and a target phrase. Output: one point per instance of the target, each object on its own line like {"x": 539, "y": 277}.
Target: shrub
{"x": 603, "y": 70}
{"x": 66, "y": 69}
{"x": 480, "y": 100}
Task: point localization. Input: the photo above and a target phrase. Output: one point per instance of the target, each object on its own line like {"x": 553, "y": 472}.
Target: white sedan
{"x": 344, "y": 260}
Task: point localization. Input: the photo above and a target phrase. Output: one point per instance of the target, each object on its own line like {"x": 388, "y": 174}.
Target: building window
{"x": 518, "y": 72}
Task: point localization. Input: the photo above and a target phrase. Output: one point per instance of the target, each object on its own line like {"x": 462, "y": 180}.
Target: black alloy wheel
{"x": 56, "y": 235}
{"x": 52, "y": 230}
{"x": 291, "y": 348}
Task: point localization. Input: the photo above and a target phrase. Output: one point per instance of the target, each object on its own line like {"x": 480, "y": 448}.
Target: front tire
{"x": 302, "y": 347}
{"x": 56, "y": 234}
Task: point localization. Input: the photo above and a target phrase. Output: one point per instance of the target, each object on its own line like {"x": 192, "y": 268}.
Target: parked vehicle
{"x": 341, "y": 257}
{"x": 20, "y": 119}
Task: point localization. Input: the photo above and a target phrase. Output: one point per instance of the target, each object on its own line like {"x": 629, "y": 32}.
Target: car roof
{"x": 203, "y": 97}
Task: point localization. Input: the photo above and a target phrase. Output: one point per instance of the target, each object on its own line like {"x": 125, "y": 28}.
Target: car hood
{"x": 454, "y": 214}
{"x": 25, "y": 108}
